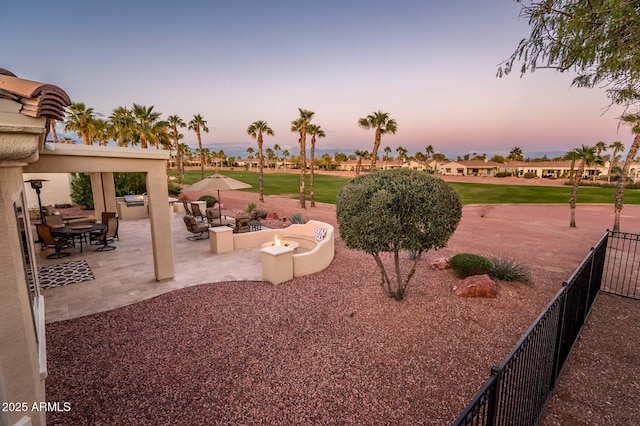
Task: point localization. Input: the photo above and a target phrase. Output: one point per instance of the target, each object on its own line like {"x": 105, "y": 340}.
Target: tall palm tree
{"x": 145, "y": 118}
{"x": 255, "y": 130}
{"x": 99, "y": 131}
{"x": 79, "y": 118}
{"x": 122, "y": 126}
{"x": 429, "y": 151}
{"x": 573, "y": 157}
{"x": 402, "y": 153}
{"x": 300, "y": 125}
{"x": 277, "y": 149}
{"x": 198, "y": 124}
{"x": 316, "y": 132}
{"x": 617, "y": 147}
{"x": 515, "y": 155}
{"x": 438, "y": 157}
{"x": 362, "y": 155}
{"x": 386, "y": 157}
{"x": 586, "y": 155}
{"x": 285, "y": 156}
{"x": 250, "y": 156}
{"x": 176, "y": 123}
{"x": 383, "y": 124}
{"x": 634, "y": 121}
{"x": 52, "y": 126}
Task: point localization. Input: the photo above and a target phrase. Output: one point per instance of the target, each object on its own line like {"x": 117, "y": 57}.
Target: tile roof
{"x": 37, "y": 99}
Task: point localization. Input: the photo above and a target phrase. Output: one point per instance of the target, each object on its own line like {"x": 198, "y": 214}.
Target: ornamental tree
{"x": 395, "y": 210}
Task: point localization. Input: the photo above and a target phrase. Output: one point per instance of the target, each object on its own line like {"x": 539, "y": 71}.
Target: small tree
{"x": 396, "y": 210}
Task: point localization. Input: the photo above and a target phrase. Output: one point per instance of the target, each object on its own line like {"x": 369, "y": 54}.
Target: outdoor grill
{"x": 134, "y": 200}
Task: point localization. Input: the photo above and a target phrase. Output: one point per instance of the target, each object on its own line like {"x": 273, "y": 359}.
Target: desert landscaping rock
{"x": 476, "y": 286}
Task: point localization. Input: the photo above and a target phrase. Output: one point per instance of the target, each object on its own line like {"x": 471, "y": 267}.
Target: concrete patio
{"x": 126, "y": 275}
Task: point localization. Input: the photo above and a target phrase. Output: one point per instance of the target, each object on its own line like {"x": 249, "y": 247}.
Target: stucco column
{"x": 98, "y": 194}
{"x": 160, "y": 221}
{"x": 104, "y": 193}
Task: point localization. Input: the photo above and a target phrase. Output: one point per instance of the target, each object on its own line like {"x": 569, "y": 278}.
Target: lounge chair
{"x": 48, "y": 241}
{"x": 107, "y": 236}
{"x": 201, "y": 229}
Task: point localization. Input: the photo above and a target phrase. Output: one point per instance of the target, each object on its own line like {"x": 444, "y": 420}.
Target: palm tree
{"x": 429, "y": 151}
{"x": 361, "y": 154}
{"x": 634, "y": 121}
{"x": 255, "y": 130}
{"x": 122, "y": 124}
{"x": 300, "y": 125}
{"x": 250, "y": 156}
{"x": 285, "y": 155}
{"x": 515, "y": 155}
{"x": 277, "y": 149}
{"x": 79, "y": 117}
{"x": 198, "y": 124}
{"x": 99, "y": 131}
{"x": 573, "y": 157}
{"x": 617, "y": 147}
{"x": 586, "y": 155}
{"x": 52, "y": 126}
{"x": 437, "y": 157}
{"x": 145, "y": 118}
{"x": 402, "y": 153}
{"x": 176, "y": 122}
{"x": 383, "y": 125}
{"x": 315, "y": 131}
{"x": 386, "y": 157}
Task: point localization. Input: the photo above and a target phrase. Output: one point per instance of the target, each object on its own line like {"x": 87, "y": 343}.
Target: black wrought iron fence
{"x": 518, "y": 390}
{"x": 621, "y": 275}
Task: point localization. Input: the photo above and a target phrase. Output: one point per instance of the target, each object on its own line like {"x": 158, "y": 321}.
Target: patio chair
{"x": 213, "y": 217}
{"x": 243, "y": 224}
{"x": 106, "y": 237}
{"x": 48, "y": 241}
{"x": 197, "y": 213}
{"x": 201, "y": 229}
{"x": 105, "y": 219}
{"x": 54, "y": 221}
{"x": 187, "y": 208}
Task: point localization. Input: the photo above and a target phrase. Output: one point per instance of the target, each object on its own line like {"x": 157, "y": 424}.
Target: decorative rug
{"x": 64, "y": 274}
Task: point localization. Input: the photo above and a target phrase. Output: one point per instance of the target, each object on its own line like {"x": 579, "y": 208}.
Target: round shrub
{"x": 467, "y": 264}
{"x": 529, "y": 175}
{"x": 210, "y": 199}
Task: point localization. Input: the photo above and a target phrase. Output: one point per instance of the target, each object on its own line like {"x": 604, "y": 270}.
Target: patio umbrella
{"x": 218, "y": 182}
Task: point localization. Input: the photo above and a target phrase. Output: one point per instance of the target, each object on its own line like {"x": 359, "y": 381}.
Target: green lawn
{"x": 327, "y": 187}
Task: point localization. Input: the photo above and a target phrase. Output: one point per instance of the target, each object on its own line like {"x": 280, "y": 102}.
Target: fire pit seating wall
{"x": 315, "y": 240}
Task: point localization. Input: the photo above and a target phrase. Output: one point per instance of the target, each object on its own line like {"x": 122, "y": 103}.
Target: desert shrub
{"x": 210, "y": 199}
{"x": 250, "y": 207}
{"x": 297, "y": 218}
{"x": 529, "y": 175}
{"x": 397, "y": 210}
{"x": 503, "y": 174}
{"x": 130, "y": 183}
{"x": 467, "y": 264}
{"x": 507, "y": 269}
{"x": 174, "y": 189}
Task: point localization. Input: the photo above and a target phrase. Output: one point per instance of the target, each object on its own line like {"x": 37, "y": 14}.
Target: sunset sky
{"x": 430, "y": 64}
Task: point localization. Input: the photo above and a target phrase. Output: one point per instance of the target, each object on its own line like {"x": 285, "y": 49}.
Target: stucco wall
{"x": 56, "y": 191}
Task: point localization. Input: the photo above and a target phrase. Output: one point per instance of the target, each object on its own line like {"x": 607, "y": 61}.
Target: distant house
{"x": 556, "y": 169}
{"x": 469, "y": 168}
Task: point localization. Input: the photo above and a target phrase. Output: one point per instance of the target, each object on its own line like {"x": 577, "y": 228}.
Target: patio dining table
{"x": 79, "y": 231}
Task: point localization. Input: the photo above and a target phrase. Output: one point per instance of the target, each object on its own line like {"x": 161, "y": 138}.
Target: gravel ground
{"x": 327, "y": 348}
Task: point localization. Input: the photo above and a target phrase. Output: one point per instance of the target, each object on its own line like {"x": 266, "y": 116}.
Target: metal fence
{"x": 621, "y": 275}
{"x": 518, "y": 390}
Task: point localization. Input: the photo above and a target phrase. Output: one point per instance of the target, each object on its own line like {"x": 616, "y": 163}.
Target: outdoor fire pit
{"x": 278, "y": 242}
